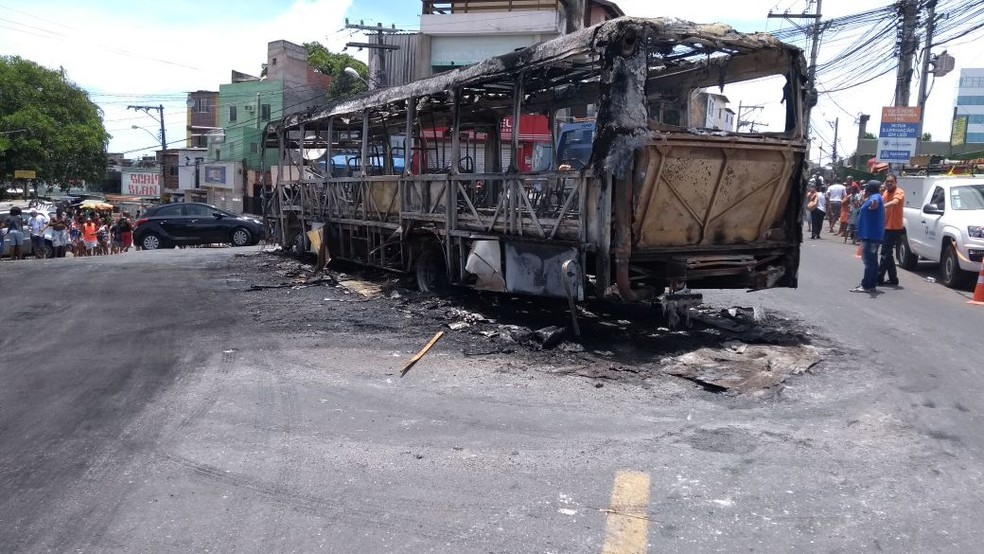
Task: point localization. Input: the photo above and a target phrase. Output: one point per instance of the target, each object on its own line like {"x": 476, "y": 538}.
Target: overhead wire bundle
{"x": 861, "y": 47}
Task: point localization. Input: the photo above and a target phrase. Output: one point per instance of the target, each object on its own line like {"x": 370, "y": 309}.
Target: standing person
{"x": 59, "y": 235}
{"x": 89, "y": 238}
{"x": 845, "y": 216}
{"x": 15, "y": 233}
{"x": 835, "y": 197}
{"x": 894, "y": 199}
{"x": 871, "y": 231}
{"x": 102, "y": 235}
{"x": 126, "y": 232}
{"x": 37, "y": 224}
{"x": 115, "y": 241}
{"x": 819, "y": 213}
{"x": 75, "y": 235}
{"x": 852, "y": 222}
{"x": 811, "y": 204}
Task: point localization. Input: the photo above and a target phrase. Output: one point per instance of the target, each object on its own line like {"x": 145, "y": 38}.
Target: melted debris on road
{"x": 736, "y": 350}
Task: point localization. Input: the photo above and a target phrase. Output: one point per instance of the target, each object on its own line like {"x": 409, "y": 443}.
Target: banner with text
{"x": 899, "y": 134}
{"x": 141, "y": 184}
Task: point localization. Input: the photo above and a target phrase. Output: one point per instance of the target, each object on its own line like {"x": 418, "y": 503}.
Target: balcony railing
{"x": 443, "y": 7}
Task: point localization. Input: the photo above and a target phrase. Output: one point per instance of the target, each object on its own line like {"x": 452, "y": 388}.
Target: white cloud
{"x": 123, "y": 58}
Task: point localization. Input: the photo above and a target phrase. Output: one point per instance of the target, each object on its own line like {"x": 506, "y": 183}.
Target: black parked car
{"x": 169, "y": 225}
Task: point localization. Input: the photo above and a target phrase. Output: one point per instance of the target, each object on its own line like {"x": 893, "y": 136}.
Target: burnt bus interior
{"x": 420, "y": 177}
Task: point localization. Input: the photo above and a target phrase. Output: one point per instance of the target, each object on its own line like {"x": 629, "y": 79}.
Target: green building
{"x": 248, "y": 103}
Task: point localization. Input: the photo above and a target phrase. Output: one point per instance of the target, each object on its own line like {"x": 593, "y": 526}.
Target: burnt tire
{"x": 240, "y": 236}
{"x": 907, "y": 259}
{"x": 950, "y": 273}
{"x": 429, "y": 270}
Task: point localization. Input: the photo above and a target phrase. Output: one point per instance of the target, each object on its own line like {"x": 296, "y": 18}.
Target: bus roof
{"x": 679, "y": 43}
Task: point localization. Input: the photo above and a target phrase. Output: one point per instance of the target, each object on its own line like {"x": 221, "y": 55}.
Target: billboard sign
{"x": 141, "y": 183}
{"x": 899, "y": 134}
{"x": 215, "y": 175}
{"x": 958, "y": 133}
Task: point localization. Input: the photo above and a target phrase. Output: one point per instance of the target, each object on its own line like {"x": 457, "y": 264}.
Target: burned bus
{"x": 640, "y": 198}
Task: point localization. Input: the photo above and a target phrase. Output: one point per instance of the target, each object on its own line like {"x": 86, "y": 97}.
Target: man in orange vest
{"x": 894, "y": 199}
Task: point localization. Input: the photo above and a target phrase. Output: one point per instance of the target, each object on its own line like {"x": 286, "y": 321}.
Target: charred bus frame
{"x": 660, "y": 206}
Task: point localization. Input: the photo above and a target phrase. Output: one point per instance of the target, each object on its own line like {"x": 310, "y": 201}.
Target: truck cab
{"x": 944, "y": 223}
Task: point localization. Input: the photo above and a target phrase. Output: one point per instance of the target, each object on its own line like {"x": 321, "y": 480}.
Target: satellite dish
{"x": 190, "y": 103}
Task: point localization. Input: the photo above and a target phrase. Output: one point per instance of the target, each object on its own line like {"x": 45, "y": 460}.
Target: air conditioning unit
{"x": 248, "y": 107}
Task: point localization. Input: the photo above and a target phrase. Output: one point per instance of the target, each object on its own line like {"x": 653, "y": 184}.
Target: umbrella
{"x": 95, "y": 205}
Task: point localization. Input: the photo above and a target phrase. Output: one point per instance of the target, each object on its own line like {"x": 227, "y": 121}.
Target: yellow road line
{"x": 627, "y": 525}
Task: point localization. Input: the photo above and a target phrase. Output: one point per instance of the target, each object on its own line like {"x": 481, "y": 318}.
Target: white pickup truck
{"x": 944, "y": 223}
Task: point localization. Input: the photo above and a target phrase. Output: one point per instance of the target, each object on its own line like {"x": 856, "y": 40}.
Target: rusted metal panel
{"x": 704, "y": 192}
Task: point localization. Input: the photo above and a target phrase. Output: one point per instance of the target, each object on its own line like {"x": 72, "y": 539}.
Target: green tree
{"x": 868, "y": 135}
{"x": 333, "y": 64}
{"x": 59, "y": 130}
{"x": 927, "y": 137}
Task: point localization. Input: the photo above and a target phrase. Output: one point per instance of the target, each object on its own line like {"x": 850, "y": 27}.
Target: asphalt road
{"x": 198, "y": 420}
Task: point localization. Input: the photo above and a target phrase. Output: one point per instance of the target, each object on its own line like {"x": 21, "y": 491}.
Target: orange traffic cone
{"x": 858, "y": 253}
{"x": 979, "y": 289}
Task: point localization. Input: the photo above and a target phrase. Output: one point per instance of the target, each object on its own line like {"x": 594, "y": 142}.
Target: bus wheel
{"x": 430, "y": 270}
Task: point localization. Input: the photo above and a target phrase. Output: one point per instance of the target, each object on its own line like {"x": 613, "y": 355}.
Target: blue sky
{"x": 153, "y": 51}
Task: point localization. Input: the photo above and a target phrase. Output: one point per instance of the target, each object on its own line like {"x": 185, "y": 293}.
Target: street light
{"x": 351, "y": 72}
{"x": 156, "y": 138}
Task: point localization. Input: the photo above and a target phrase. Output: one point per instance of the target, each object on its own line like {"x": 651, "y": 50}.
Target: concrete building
{"x": 710, "y": 111}
{"x": 247, "y": 103}
{"x": 242, "y": 108}
{"x": 203, "y": 117}
{"x": 456, "y": 33}
{"x": 970, "y": 103}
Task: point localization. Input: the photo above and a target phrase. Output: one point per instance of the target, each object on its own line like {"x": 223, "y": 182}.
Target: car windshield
{"x": 968, "y": 197}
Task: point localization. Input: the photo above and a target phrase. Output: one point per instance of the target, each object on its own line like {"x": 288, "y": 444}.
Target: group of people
{"x": 871, "y": 215}
{"x": 837, "y": 205}
{"x": 82, "y": 234}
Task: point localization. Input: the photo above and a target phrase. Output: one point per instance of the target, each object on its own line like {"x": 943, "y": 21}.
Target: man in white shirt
{"x": 835, "y": 197}
{"x": 37, "y": 223}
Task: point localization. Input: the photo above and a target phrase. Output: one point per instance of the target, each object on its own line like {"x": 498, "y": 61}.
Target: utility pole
{"x": 378, "y": 79}
{"x": 811, "y": 75}
{"x": 160, "y": 118}
{"x": 862, "y": 129}
{"x": 942, "y": 65}
{"x": 746, "y": 122}
{"x": 926, "y": 54}
{"x": 908, "y": 44}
